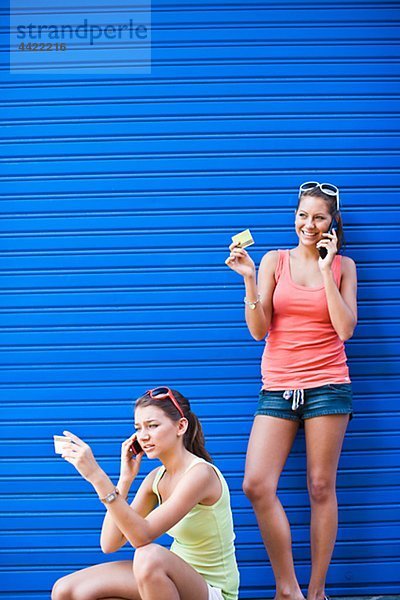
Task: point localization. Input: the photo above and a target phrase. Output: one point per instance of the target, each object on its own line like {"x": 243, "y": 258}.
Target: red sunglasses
{"x": 160, "y": 393}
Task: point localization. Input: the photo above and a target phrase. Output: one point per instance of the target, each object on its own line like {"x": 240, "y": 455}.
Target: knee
{"x": 320, "y": 489}
{"x": 258, "y": 490}
{"x": 148, "y": 562}
{"x": 62, "y": 590}
{"x": 67, "y": 589}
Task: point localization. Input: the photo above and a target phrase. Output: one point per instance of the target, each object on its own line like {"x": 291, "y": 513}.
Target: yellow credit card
{"x": 59, "y": 441}
{"x": 243, "y": 239}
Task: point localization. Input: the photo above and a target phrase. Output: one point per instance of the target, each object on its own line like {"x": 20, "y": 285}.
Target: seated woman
{"x": 187, "y": 497}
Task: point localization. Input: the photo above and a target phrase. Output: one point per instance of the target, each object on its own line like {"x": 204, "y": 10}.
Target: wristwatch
{"x": 252, "y": 305}
{"x": 111, "y": 496}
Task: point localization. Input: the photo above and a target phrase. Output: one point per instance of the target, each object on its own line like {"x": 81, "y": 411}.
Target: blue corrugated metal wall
{"x": 119, "y": 197}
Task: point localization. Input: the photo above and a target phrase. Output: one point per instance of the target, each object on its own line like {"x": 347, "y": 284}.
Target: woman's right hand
{"x": 240, "y": 261}
{"x": 130, "y": 463}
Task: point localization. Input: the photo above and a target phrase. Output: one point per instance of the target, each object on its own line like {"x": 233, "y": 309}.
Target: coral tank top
{"x": 302, "y": 348}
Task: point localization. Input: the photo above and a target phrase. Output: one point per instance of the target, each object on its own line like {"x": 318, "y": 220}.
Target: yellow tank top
{"x": 204, "y": 538}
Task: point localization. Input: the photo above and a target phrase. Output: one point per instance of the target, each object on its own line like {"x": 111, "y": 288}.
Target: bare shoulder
{"x": 266, "y": 277}
{"x": 202, "y": 469}
{"x": 202, "y": 475}
{"x": 270, "y": 260}
{"x": 203, "y": 479}
{"x": 348, "y": 265}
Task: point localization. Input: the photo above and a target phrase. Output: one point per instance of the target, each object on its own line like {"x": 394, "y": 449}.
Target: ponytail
{"x": 194, "y": 437}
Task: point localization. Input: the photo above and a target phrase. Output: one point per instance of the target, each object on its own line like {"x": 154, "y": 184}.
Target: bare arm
{"x": 258, "y": 319}
{"x": 111, "y": 538}
{"x": 195, "y": 486}
{"x": 259, "y": 325}
{"x": 192, "y": 489}
{"x": 342, "y": 304}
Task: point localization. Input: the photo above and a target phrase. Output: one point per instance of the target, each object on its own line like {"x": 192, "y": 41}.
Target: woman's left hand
{"x": 80, "y": 455}
{"x": 329, "y": 241}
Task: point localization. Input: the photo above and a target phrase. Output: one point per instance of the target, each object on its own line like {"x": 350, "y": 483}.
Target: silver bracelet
{"x": 252, "y": 305}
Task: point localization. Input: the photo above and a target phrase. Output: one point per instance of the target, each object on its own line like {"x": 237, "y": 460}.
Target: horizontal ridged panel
{"x": 119, "y": 198}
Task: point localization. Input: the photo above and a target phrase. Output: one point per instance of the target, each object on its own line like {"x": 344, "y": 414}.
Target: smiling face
{"x": 312, "y": 220}
{"x": 156, "y": 432}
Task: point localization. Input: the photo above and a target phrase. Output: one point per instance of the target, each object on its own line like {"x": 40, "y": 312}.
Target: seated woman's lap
{"x": 117, "y": 579}
{"x": 108, "y": 580}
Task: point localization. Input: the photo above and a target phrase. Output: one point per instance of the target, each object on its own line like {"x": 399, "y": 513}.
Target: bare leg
{"x": 108, "y": 580}
{"x": 161, "y": 575}
{"x": 156, "y": 574}
{"x": 270, "y": 442}
{"x": 324, "y": 439}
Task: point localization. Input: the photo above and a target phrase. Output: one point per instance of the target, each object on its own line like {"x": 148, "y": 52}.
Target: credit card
{"x": 243, "y": 239}
{"x": 59, "y": 441}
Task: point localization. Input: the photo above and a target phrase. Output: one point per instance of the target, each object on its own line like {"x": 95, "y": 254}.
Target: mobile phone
{"x": 323, "y": 251}
{"x": 135, "y": 447}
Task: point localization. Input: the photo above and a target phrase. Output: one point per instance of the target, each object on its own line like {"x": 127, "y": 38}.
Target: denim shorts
{"x": 298, "y": 405}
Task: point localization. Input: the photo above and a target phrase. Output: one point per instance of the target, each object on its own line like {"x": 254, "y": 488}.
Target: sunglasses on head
{"x": 160, "y": 393}
{"x": 326, "y": 188}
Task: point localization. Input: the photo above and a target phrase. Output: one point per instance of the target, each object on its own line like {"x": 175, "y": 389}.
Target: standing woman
{"x": 307, "y": 307}
{"x": 187, "y": 497}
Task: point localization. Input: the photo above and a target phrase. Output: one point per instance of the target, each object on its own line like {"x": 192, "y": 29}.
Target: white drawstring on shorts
{"x": 298, "y": 397}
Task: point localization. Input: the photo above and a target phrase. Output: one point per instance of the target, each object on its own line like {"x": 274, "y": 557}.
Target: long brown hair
{"x": 332, "y": 207}
{"x": 193, "y": 438}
